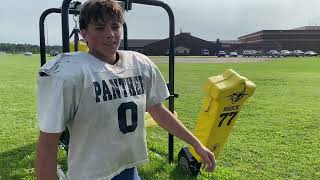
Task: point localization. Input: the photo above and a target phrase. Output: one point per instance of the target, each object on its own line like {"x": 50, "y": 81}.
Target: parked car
{"x": 273, "y": 53}
{"x": 285, "y": 53}
{"x": 247, "y": 53}
{"x": 167, "y": 52}
{"x": 205, "y": 52}
{"x": 298, "y": 53}
{"x": 233, "y": 54}
{"x": 257, "y": 53}
{"x": 310, "y": 53}
{"x": 221, "y": 54}
{"x": 53, "y": 53}
{"x": 28, "y": 53}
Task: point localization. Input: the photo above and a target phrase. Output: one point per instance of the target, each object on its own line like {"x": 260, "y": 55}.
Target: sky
{"x": 205, "y": 19}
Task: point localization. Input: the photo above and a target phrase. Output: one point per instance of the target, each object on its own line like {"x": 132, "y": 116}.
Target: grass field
{"x": 276, "y": 136}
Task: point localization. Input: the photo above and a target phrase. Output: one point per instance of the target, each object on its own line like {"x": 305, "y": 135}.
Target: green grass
{"x": 275, "y": 137}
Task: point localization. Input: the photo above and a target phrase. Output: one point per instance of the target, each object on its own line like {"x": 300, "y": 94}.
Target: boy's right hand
{"x": 207, "y": 156}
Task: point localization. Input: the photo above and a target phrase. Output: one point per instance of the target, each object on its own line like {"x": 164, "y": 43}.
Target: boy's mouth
{"x": 110, "y": 44}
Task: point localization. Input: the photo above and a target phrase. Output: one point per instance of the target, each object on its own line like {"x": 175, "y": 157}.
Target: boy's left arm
{"x": 166, "y": 120}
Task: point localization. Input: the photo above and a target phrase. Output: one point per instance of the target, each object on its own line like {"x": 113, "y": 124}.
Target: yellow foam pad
{"x": 224, "y": 98}
{"x": 82, "y": 46}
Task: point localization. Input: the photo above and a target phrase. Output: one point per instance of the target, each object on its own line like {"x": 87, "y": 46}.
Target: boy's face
{"x": 103, "y": 37}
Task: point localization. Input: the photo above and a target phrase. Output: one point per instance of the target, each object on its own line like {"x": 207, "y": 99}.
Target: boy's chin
{"x": 104, "y": 52}
{"x": 109, "y": 50}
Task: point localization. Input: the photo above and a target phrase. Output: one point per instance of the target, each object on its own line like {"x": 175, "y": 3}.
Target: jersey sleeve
{"x": 157, "y": 88}
{"x": 58, "y": 96}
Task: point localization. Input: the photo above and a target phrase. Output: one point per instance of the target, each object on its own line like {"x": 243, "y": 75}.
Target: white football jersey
{"x": 103, "y": 106}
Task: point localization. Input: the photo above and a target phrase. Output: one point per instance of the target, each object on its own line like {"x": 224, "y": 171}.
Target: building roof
{"x": 182, "y": 40}
{"x": 227, "y": 41}
{"x": 259, "y": 33}
{"x": 185, "y": 40}
{"x": 139, "y": 43}
{"x": 307, "y": 28}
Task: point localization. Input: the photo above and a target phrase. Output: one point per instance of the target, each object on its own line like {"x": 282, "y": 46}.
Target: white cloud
{"x": 207, "y": 19}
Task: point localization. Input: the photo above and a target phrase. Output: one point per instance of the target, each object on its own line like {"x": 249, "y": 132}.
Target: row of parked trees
{"x": 22, "y": 48}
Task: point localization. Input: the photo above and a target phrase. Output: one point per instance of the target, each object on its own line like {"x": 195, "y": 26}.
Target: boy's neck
{"x": 110, "y": 59}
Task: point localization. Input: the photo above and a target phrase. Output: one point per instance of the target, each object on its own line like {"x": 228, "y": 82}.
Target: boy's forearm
{"x": 46, "y": 159}
{"x": 46, "y": 166}
{"x": 166, "y": 120}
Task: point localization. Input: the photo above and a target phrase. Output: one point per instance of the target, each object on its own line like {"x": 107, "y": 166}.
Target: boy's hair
{"x": 100, "y": 11}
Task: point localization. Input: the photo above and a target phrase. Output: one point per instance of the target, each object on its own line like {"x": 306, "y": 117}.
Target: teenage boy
{"x": 101, "y": 96}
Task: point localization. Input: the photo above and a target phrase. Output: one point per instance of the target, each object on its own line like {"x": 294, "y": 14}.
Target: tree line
{"x": 21, "y": 48}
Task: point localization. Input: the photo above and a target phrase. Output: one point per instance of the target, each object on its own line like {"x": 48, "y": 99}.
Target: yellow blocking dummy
{"x": 82, "y": 46}
{"x": 225, "y": 96}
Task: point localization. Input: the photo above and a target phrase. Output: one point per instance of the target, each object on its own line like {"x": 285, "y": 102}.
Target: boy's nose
{"x": 109, "y": 33}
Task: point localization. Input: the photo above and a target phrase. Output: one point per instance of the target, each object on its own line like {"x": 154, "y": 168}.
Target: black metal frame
{"x": 65, "y": 11}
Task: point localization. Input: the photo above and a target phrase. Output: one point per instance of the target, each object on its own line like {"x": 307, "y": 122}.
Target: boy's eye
{"x": 115, "y": 27}
{"x": 99, "y": 27}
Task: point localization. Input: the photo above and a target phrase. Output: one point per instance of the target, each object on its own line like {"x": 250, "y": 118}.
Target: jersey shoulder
{"x": 66, "y": 65}
{"x": 137, "y": 58}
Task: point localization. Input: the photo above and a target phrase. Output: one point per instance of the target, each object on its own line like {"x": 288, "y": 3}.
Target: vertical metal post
{"x": 42, "y": 33}
{"x": 171, "y": 78}
{"x": 65, "y": 25}
{"x": 76, "y": 40}
{"x": 42, "y": 38}
{"x": 171, "y": 62}
{"x": 125, "y": 36}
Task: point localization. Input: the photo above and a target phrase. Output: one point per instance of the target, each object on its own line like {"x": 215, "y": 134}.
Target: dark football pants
{"x": 128, "y": 174}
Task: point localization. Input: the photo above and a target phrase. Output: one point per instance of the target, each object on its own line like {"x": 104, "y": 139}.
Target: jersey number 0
{"x": 122, "y": 117}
